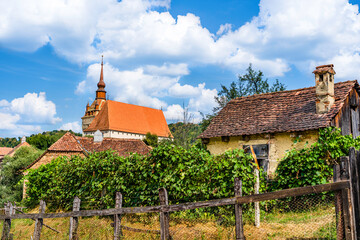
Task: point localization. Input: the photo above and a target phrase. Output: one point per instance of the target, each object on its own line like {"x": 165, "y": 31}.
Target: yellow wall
{"x": 279, "y": 144}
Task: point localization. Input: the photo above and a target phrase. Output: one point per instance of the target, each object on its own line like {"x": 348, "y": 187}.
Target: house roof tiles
{"x": 285, "y": 111}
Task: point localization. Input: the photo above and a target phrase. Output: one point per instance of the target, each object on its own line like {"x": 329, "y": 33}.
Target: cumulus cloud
{"x": 23, "y": 116}
{"x": 168, "y": 69}
{"x": 35, "y": 108}
{"x": 73, "y": 126}
{"x": 159, "y": 49}
{"x": 131, "y": 86}
{"x": 10, "y": 126}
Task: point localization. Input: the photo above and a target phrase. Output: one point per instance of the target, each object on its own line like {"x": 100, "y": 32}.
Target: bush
{"x": 188, "y": 175}
{"x": 10, "y": 173}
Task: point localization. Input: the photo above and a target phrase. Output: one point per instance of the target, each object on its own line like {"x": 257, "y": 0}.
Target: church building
{"x": 121, "y": 120}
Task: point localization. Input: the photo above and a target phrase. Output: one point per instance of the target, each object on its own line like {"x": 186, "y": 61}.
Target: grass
{"x": 317, "y": 222}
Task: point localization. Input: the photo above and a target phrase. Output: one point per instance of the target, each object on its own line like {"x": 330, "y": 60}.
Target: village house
{"x": 8, "y": 151}
{"x": 70, "y": 145}
{"x": 122, "y": 120}
{"x": 274, "y": 123}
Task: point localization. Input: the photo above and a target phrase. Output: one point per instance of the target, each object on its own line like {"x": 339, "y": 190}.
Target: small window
{"x": 261, "y": 150}
{"x": 321, "y": 78}
{"x": 262, "y": 154}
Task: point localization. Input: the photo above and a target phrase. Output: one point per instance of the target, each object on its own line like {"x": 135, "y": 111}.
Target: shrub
{"x": 188, "y": 175}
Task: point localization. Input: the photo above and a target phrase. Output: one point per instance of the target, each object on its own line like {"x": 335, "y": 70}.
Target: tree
{"x": 250, "y": 83}
{"x": 11, "y": 175}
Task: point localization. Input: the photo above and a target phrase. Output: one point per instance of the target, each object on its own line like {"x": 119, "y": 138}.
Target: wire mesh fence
{"x": 310, "y": 216}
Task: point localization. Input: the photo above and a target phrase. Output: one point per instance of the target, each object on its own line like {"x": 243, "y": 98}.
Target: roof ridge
{"x": 286, "y": 91}
{"x": 133, "y": 105}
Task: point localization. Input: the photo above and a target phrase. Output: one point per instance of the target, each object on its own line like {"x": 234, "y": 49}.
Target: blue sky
{"x": 160, "y": 53}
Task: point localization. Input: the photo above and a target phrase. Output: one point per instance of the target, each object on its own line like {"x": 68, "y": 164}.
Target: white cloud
{"x": 134, "y": 86}
{"x": 168, "y": 69}
{"x": 34, "y": 108}
{"x": 23, "y": 116}
{"x": 185, "y": 91}
{"x": 4, "y": 103}
{"x": 131, "y": 29}
{"x": 174, "y": 112}
{"x": 155, "y": 49}
{"x": 74, "y": 126}
{"x": 9, "y": 126}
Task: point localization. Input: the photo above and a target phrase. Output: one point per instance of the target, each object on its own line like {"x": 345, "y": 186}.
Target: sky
{"x": 160, "y": 53}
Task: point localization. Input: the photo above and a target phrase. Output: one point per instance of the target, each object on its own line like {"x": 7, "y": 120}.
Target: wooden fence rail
{"x": 193, "y": 205}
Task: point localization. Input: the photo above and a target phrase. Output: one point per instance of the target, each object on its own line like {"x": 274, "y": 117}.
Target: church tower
{"x": 100, "y": 99}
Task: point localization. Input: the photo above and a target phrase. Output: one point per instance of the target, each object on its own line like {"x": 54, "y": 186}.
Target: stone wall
{"x": 279, "y": 144}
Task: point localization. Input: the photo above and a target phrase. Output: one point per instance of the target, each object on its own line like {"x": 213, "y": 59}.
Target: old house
{"x": 275, "y": 122}
{"x": 7, "y": 151}
{"x": 69, "y": 145}
{"x": 122, "y": 120}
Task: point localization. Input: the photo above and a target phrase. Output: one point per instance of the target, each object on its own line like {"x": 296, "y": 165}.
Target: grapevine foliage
{"x": 314, "y": 165}
{"x": 188, "y": 175}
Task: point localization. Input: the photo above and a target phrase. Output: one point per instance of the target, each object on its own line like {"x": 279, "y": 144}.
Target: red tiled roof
{"x": 284, "y": 111}
{"x": 67, "y": 143}
{"x": 129, "y": 118}
{"x": 5, "y": 150}
{"x": 71, "y": 143}
{"x": 122, "y": 146}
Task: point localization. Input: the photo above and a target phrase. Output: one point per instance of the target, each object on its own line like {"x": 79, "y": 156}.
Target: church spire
{"x": 100, "y": 92}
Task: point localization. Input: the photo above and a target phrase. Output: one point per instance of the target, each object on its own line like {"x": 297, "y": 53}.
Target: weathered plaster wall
{"x": 279, "y": 144}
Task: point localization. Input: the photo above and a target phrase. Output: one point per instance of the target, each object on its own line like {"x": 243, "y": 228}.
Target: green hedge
{"x": 188, "y": 175}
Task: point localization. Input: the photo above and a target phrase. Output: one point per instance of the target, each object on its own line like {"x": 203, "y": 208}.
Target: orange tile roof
{"x": 71, "y": 143}
{"x": 5, "y": 150}
{"x": 286, "y": 111}
{"x": 24, "y": 144}
{"x": 130, "y": 118}
{"x": 66, "y": 143}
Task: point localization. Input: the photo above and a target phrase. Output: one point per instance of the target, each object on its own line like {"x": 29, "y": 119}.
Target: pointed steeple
{"x": 100, "y": 92}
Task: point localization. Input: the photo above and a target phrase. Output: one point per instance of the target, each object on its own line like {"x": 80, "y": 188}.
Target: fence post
{"x": 338, "y": 206}
{"x": 354, "y": 188}
{"x": 346, "y": 200}
{"x": 7, "y": 223}
{"x": 74, "y": 221}
{"x": 257, "y": 204}
{"x": 39, "y": 222}
{"x": 239, "y": 228}
{"x": 117, "y": 217}
{"x": 164, "y": 216}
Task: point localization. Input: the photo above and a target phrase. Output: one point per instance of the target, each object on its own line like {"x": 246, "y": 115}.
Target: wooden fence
{"x": 347, "y": 206}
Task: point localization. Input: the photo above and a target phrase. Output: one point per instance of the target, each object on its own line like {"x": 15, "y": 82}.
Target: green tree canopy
{"x": 252, "y": 82}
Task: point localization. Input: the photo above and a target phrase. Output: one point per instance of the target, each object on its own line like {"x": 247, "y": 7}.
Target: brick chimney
{"x": 324, "y": 83}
